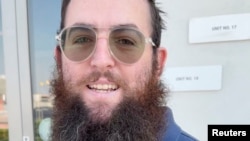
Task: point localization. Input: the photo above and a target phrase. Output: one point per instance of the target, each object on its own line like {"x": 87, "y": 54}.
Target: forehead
{"x": 108, "y": 13}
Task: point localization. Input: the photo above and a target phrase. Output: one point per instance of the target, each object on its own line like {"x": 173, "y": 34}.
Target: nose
{"x": 102, "y": 59}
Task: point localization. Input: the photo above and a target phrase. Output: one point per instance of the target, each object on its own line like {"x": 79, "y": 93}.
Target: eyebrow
{"x": 130, "y": 25}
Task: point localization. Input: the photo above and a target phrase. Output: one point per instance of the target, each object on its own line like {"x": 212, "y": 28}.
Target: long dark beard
{"x": 141, "y": 119}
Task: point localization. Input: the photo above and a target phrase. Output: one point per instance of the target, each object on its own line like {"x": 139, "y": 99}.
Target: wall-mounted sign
{"x": 219, "y": 28}
{"x": 198, "y": 78}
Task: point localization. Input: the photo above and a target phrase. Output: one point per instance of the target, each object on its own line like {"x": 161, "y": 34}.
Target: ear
{"x": 58, "y": 55}
{"x": 161, "y": 58}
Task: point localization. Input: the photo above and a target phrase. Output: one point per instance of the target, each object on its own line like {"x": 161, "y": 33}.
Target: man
{"x": 107, "y": 84}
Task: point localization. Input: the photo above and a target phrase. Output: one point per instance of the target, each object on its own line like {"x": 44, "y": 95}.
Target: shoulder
{"x": 173, "y": 131}
{"x": 185, "y": 137}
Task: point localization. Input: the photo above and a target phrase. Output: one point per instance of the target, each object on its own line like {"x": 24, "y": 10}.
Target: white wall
{"x": 194, "y": 110}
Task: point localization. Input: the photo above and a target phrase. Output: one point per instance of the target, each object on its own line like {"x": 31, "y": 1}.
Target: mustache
{"x": 96, "y": 75}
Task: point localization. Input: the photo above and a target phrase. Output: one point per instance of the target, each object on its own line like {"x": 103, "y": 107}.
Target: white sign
{"x": 200, "y": 78}
{"x": 219, "y": 28}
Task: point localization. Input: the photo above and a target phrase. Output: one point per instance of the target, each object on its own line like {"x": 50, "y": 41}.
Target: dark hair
{"x": 156, "y": 20}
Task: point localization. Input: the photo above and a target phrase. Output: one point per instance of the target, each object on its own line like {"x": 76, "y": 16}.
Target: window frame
{"x": 17, "y": 70}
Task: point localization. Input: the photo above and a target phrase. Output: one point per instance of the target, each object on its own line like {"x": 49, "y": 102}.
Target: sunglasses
{"x": 126, "y": 44}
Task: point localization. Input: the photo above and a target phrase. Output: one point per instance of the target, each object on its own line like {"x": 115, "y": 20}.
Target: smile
{"x": 103, "y": 87}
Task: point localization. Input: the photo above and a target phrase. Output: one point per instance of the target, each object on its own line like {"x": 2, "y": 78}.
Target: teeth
{"x": 103, "y": 87}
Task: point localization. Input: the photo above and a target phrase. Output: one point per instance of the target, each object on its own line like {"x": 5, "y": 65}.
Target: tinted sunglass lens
{"x": 78, "y": 43}
{"x": 127, "y": 45}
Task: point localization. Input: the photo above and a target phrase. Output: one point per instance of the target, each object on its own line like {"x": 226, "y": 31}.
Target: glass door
{"x": 43, "y": 24}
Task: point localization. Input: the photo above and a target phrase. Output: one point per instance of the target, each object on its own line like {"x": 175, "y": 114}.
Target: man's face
{"x": 102, "y": 82}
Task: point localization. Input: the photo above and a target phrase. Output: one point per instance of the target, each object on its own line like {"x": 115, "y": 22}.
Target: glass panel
{"x": 3, "y": 102}
{"x": 44, "y": 20}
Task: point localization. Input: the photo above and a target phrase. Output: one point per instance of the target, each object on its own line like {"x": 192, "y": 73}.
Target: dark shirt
{"x": 174, "y": 132}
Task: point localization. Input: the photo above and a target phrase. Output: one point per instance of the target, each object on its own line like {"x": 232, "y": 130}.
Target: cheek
{"x": 72, "y": 72}
{"x": 139, "y": 75}
{"x": 66, "y": 71}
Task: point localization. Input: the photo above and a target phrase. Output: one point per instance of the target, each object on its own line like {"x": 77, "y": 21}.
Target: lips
{"x": 103, "y": 87}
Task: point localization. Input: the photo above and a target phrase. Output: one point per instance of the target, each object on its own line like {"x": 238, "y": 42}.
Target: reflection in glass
{"x": 43, "y": 24}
